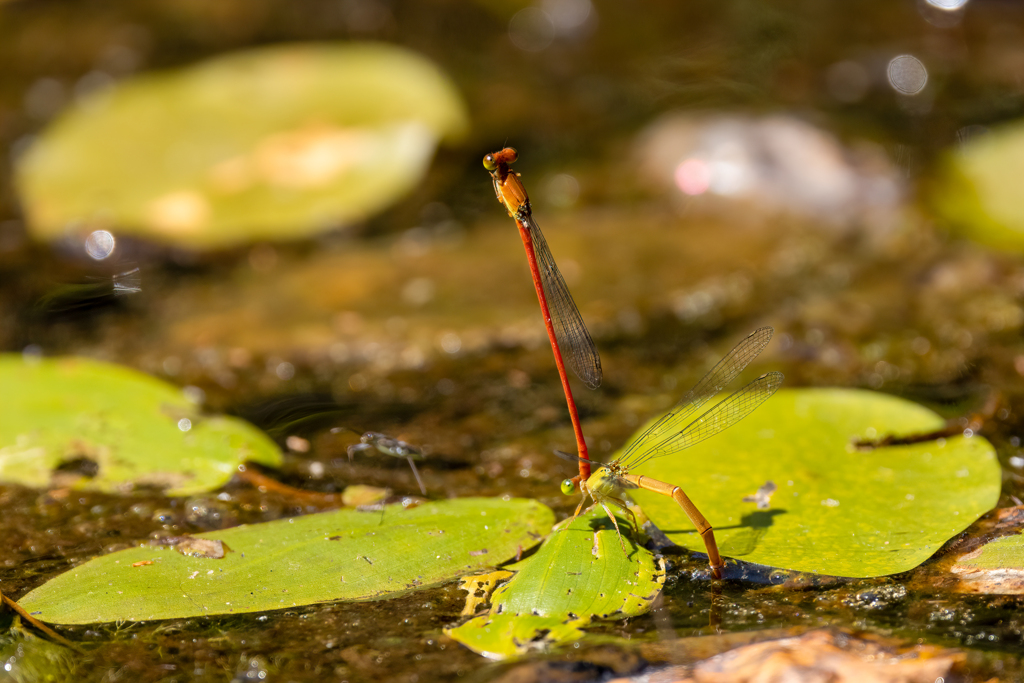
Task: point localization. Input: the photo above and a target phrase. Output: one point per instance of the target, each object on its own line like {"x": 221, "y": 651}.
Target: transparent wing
{"x": 570, "y": 331}
{"x": 573, "y": 458}
{"x": 717, "y": 378}
{"x": 717, "y": 419}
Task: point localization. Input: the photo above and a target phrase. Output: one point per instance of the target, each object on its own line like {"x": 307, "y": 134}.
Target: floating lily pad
{"x": 580, "y": 574}
{"x": 275, "y": 143}
{"x": 100, "y": 426}
{"x": 979, "y": 192}
{"x": 837, "y": 510}
{"x": 341, "y": 555}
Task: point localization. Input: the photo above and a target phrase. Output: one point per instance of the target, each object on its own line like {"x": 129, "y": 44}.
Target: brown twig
{"x": 266, "y": 484}
{"x": 957, "y": 426}
{"x": 32, "y": 621}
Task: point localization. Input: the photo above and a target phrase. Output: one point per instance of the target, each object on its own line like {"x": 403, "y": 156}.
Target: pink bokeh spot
{"x": 693, "y": 176}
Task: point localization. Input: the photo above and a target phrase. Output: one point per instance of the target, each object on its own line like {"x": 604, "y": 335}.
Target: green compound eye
{"x": 489, "y": 163}
{"x": 568, "y": 488}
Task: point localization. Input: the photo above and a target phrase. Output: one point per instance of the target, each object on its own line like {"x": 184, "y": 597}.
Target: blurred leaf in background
{"x": 269, "y": 144}
{"x": 979, "y": 186}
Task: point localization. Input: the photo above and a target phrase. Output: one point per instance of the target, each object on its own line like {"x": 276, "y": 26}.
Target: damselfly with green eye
{"x": 676, "y": 431}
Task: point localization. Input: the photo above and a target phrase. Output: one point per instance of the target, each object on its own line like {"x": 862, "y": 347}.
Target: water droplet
{"x": 99, "y": 244}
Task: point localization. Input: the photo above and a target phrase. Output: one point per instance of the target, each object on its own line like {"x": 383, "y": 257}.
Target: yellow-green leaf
{"x": 124, "y": 429}
{"x": 979, "y": 188}
{"x": 837, "y": 510}
{"x": 275, "y": 143}
{"x": 341, "y": 555}
{"x": 581, "y": 573}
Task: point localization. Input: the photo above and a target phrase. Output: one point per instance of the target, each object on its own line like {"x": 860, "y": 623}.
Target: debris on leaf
{"x": 196, "y": 547}
{"x": 360, "y": 495}
{"x": 763, "y": 495}
{"x": 479, "y": 588}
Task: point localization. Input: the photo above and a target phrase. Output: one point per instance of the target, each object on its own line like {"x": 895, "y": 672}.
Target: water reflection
{"x": 96, "y": 293}
{"x": 562, "y": 190}
{"x": 99, "y": 244}
{"x": 948, "y": 5}
{"x": 907, "y": 74}
{"x": 534, "y": 29}
{"x": 568, "y": 15}
{"x": 847, "y": 81}
{"x": 531, "y": 30}
{"x": 770, "y": 163}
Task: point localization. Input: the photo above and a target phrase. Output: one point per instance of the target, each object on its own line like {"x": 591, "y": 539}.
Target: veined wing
{"x": 717, "y": 419}
{"x": 717, "y": 379}
{"x": 570, "y": 331}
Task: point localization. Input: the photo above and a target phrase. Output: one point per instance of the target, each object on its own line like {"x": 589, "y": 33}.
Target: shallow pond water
{"x": 421, "y": 323}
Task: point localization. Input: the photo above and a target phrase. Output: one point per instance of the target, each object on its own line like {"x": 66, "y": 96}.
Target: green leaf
{"x": 1006, "y": 552}
{"x": 501, "y": 636}
{"x": 342, "y": 555}
{"x": 137, "y": 431}
{"x": 979, "y": 189}
{"x": 275, "y": 143}
{"x": 995, "y": 565}
{"x": 580, "y": 574}
{"x": 837, "y": 511}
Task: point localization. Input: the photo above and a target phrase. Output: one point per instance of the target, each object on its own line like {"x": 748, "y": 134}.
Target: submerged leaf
{"x": 501, "y": 636}
{"x": 341, "y": 555}
{"x": 100, "y": 426}
{"x": 275, "y": 143}
{"x": 995, "y": 568}
{"x": 28, "y": 658}
{"x": 837, "y": 510}
{"x": 580, "y": 574}
{"x": 992, "y": 560}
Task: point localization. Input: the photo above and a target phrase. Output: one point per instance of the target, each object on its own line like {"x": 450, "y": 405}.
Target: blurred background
{"x": 281, "y": 206}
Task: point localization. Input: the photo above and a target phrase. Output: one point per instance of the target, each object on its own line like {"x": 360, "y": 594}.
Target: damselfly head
{"x": 507, "y": 155}
{"x": 495, "y": 159}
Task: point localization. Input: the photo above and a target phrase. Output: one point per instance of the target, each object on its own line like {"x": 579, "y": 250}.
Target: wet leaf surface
{"x": 579, "y": 575}
{"x": 838, "y": 510}
{"x": 343, "y": 555}
{"x": 277, "y": 143}
{"x": 94, "y": 425}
